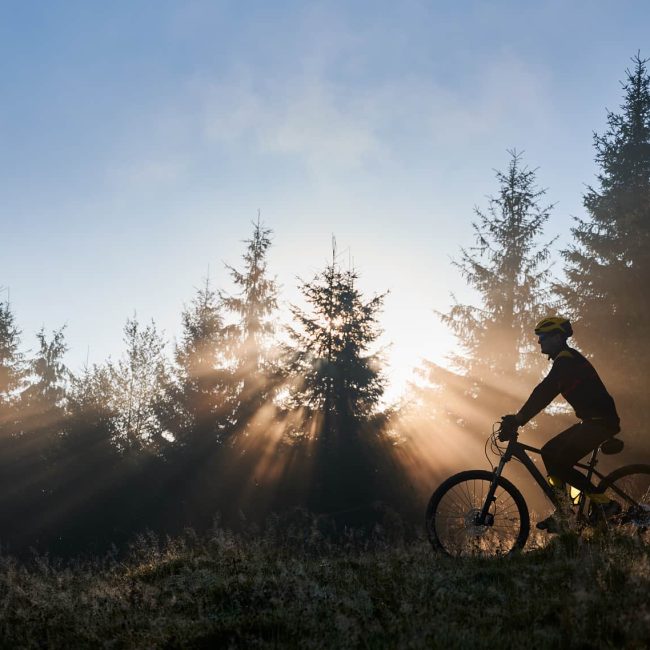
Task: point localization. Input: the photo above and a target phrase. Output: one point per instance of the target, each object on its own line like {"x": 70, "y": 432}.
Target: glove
{"x": 509, "y": 426}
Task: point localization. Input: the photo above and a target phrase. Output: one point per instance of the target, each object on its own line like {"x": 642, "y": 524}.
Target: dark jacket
{"x": 577, "y": 381}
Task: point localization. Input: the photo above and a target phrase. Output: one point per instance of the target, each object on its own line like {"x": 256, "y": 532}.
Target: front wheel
{"x": 630, "y": 487}
{"x": 452, "y": 518}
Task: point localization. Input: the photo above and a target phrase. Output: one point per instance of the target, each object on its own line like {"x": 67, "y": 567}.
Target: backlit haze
{"x": 140, "y": 139}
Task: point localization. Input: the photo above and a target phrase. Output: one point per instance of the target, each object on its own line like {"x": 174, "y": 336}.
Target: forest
{"x": 248, "y": 419}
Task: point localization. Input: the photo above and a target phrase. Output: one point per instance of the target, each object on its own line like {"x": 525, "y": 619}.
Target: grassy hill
{"x": 291, "y": 588}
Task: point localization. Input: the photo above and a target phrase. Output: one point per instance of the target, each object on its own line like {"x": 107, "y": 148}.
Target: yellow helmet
{"x": 554, "y": 324}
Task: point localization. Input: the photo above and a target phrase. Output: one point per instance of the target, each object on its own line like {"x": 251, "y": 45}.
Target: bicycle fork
{"x": 485, "y": 518}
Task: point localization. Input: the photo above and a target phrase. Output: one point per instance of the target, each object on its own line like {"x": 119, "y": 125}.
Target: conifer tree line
{"x": 235, "y": 419}
{"x": 244, "y": 416}
{"x": 602, "y": 286}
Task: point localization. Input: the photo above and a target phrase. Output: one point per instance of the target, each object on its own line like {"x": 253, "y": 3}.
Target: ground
{"x": 287, "y": 588}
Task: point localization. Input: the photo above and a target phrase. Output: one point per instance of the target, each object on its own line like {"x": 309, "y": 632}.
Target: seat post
{"x": 593, "y": 461}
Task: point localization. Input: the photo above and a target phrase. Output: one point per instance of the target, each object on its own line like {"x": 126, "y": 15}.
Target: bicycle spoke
{"x": 455, "y": 519}
{"x": 630, "y": 488}
{"x": 459, "y": 504}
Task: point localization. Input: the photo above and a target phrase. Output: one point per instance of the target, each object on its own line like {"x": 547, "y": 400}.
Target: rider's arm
{"x": 543, "y": 394}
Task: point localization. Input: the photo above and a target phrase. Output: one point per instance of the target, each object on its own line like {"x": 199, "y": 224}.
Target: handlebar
{"x": 507, "y": 428}
{"x": 507, "y": 436}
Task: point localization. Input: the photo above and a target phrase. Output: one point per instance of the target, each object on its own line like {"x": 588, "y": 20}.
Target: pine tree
{"x": 15, "y": 457}
{"x": 12, "y": 371}
{"x": 42, "y": 408}
{"x": 338, "y": 377}
{"x": 43, "y": 401}
{"x": 196, "y": 411}
{"x": 138, "y": 380}
{"x": 91, "y": 435}
{"x": 194, "y": 408}
{"x": 608, "y": 267}
{"x": 90, "y": 478}
{"x": 337, "y": 386}
{"x": 254, "y": 373}
{"x": 508, "y": 268}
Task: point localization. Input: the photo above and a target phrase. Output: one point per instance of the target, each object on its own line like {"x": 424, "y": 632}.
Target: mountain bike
{"x": 481, "y": 513}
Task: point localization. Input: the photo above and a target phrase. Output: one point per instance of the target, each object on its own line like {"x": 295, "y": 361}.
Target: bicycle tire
{"x": 630, "y": 487}
{"x": 456, "y": 502}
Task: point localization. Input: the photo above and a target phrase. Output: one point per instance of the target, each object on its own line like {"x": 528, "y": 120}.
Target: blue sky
{"x": 139, "y": 139}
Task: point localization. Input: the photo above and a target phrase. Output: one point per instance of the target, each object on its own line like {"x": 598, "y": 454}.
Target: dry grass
{"x": 289, "y": 587}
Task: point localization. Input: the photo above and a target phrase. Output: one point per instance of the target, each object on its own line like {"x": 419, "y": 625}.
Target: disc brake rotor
{"x": 474, "y": 528}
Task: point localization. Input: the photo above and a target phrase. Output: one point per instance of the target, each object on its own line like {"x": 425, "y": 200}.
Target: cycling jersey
{"x": 577, "y": 381}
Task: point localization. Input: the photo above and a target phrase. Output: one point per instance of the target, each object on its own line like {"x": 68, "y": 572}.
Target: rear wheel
{"x": 453, "y": 513}
{"x": 630, "y": 487}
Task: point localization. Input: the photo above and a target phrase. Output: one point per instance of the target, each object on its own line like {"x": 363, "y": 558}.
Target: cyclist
{"x": 577, "y": 381}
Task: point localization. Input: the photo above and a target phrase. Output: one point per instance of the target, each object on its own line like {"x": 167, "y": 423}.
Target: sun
{"x": 411, "y": 337}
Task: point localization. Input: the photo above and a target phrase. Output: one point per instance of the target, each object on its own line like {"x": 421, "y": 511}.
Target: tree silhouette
{"x": 92, "y": 485}
{"x": 15, "y": 454}
{"x": 42, "y": 406}
{"x": 12, "y": 370}
{"x": 608, "y": 267}
{"x": 253, "y": 375}
{"x": 193, "y": 408}
{"x": 43, "y": 401}
{"x": 194, "y": 411}
{"x": 338, "y": 383}
{"x": 508, "y": 268}
{"x": 137, "y": 381}
{"x": 91, "y": 429}
{"x": 338, "y": 377}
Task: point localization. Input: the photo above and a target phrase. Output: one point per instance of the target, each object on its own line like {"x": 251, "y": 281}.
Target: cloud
{"x": 323, "y": 129}
{"x": 331, "y": 125}
{"x": 310, "y": 119}
{"x": 338, "y": 121}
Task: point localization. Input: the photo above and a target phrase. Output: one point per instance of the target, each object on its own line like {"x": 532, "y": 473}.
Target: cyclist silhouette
{"x": 577, "y": 381}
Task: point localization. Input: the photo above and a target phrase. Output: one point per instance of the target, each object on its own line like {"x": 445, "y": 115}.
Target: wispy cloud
{"x": 309, "y": 119}
{"x": 325, "y": 93}
{"x": 330, "y": 125}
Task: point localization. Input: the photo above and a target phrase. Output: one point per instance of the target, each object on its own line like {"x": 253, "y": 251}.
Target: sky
{"x": 139, "y": 140}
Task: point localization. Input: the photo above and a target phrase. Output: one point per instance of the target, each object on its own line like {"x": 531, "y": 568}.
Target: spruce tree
{"x": 194, "y": 407}
{"x": 91, "y": 490}
{"x": 253, "y": 374}
{"x": 608, "y": 266}
{"x": 43, "y": 401}
{"x": 137, "y": 381}
{"x": 337, "y": 386}
{"x": 195, "y": 414}
{"x": 42, "y": 407}
{"x": 13, "y": 370}
{"x": 508, "y": 268}
{"x": 91, "y": 435}
{"x": 15, "y": 456}
{"x": 337, "y": 374}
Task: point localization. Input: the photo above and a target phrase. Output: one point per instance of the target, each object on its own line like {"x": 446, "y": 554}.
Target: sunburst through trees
{"x": 337, "y": 383}
{"x": 245, "y": 415}
{"x": 508, "y": 267}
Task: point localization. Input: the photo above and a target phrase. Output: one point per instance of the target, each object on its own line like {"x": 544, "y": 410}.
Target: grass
{"x": 291, "y": 588}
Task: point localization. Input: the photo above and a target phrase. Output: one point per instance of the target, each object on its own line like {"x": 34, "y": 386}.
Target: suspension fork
{"x": 484, "y": 517}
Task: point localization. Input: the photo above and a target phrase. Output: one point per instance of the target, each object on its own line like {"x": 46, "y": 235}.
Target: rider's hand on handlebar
{"x": 508, "y": 429}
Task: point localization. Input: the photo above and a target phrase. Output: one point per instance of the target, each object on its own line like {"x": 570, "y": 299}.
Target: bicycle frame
{"x": 516, "y": 449}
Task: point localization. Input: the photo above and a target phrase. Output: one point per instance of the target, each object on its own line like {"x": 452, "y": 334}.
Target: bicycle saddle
{"x": 612, "y": 446}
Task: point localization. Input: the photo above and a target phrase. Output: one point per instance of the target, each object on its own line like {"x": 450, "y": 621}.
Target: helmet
{"x": 554, "y": 324}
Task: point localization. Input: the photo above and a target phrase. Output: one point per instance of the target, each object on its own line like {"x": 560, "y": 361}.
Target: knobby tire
{"x": 451, "y": 512}
{"x": 630, "y": 486}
